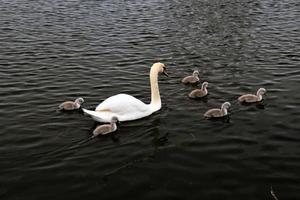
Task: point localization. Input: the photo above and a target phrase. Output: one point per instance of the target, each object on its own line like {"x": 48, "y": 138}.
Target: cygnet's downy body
{"x": 252, "y": 98}
{"x": 194, "y": 78}
{"x": 216, "y": 112}
{"x": 71, "y": 105}
{"x": 199, "y": 93}
{"x": 106, "y": 128}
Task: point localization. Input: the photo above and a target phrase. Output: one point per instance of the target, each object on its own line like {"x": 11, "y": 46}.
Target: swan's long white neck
{"x": 155, "y": 96}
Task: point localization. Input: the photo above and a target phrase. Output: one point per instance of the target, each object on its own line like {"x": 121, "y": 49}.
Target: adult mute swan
{"x": 126, "y": 107}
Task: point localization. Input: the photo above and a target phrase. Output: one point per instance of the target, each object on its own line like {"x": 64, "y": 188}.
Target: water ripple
{"x": 52, "y": 51}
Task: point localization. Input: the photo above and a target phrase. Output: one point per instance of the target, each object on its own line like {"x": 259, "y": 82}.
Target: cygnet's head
{"x": 196, "y": 73}
{"x": 261, "y": 91}
{"x": 226, "y": 105}
{"x": 204, "y": 85}
{"x": 79, "y": 100}
{"x": 114, "y": 120}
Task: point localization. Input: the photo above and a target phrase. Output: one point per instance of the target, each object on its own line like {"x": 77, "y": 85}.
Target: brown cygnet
{"x": 216, "y": 112}
{"x": 71, "y": 105}
{"x": 106, "y": 128}
{"x": 199, "y": 93}
{"x": 252, "y": 98}
{"x": 194, "y": 78}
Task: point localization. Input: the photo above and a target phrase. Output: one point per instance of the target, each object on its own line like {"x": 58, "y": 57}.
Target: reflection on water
{"x": 52, "y": 51}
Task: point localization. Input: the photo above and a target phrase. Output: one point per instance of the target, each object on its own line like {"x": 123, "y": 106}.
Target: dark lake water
{"x": 52, "y": 51}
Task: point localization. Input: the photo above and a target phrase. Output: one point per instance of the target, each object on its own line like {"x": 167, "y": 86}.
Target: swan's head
{"x": 204, "y": 85}
{"x": 226, "y": 105}
{"x": 261, "y": 91}
{"x": 114, "y": 120}
{"x": 196, "y": 73}
{"x": 79, "y": 100}
{"x": 161, "y": 68}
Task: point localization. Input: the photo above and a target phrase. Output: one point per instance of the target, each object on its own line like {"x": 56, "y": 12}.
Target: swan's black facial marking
{"x": 164, "y": 71}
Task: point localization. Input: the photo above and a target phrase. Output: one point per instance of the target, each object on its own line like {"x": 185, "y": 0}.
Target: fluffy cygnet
{"x": 252, "y": 98}
{"x": 216, "y": 112}
{"x": 106, "y": 128}
{"x": 71, "y": 105}
{"x": 194, "y": 78}
{"x": 199, "y": 93}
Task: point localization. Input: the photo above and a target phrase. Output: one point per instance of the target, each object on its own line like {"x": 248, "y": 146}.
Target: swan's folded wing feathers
{"x": 122, "y": 104}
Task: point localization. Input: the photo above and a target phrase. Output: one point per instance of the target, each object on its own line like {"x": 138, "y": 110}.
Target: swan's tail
{"x": 95, "y": 115}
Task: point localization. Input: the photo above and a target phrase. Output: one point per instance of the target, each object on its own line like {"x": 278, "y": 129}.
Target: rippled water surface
{"x": 52, "y": 51}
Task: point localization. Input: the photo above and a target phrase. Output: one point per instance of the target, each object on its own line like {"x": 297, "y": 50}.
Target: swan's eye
{"x": 164, "y": 68}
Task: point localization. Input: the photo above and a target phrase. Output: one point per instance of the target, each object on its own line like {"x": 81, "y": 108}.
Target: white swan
{"x": 126, "y": 107}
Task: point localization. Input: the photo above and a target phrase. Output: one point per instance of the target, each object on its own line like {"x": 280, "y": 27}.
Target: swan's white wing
{"x": 122, "y": 104}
